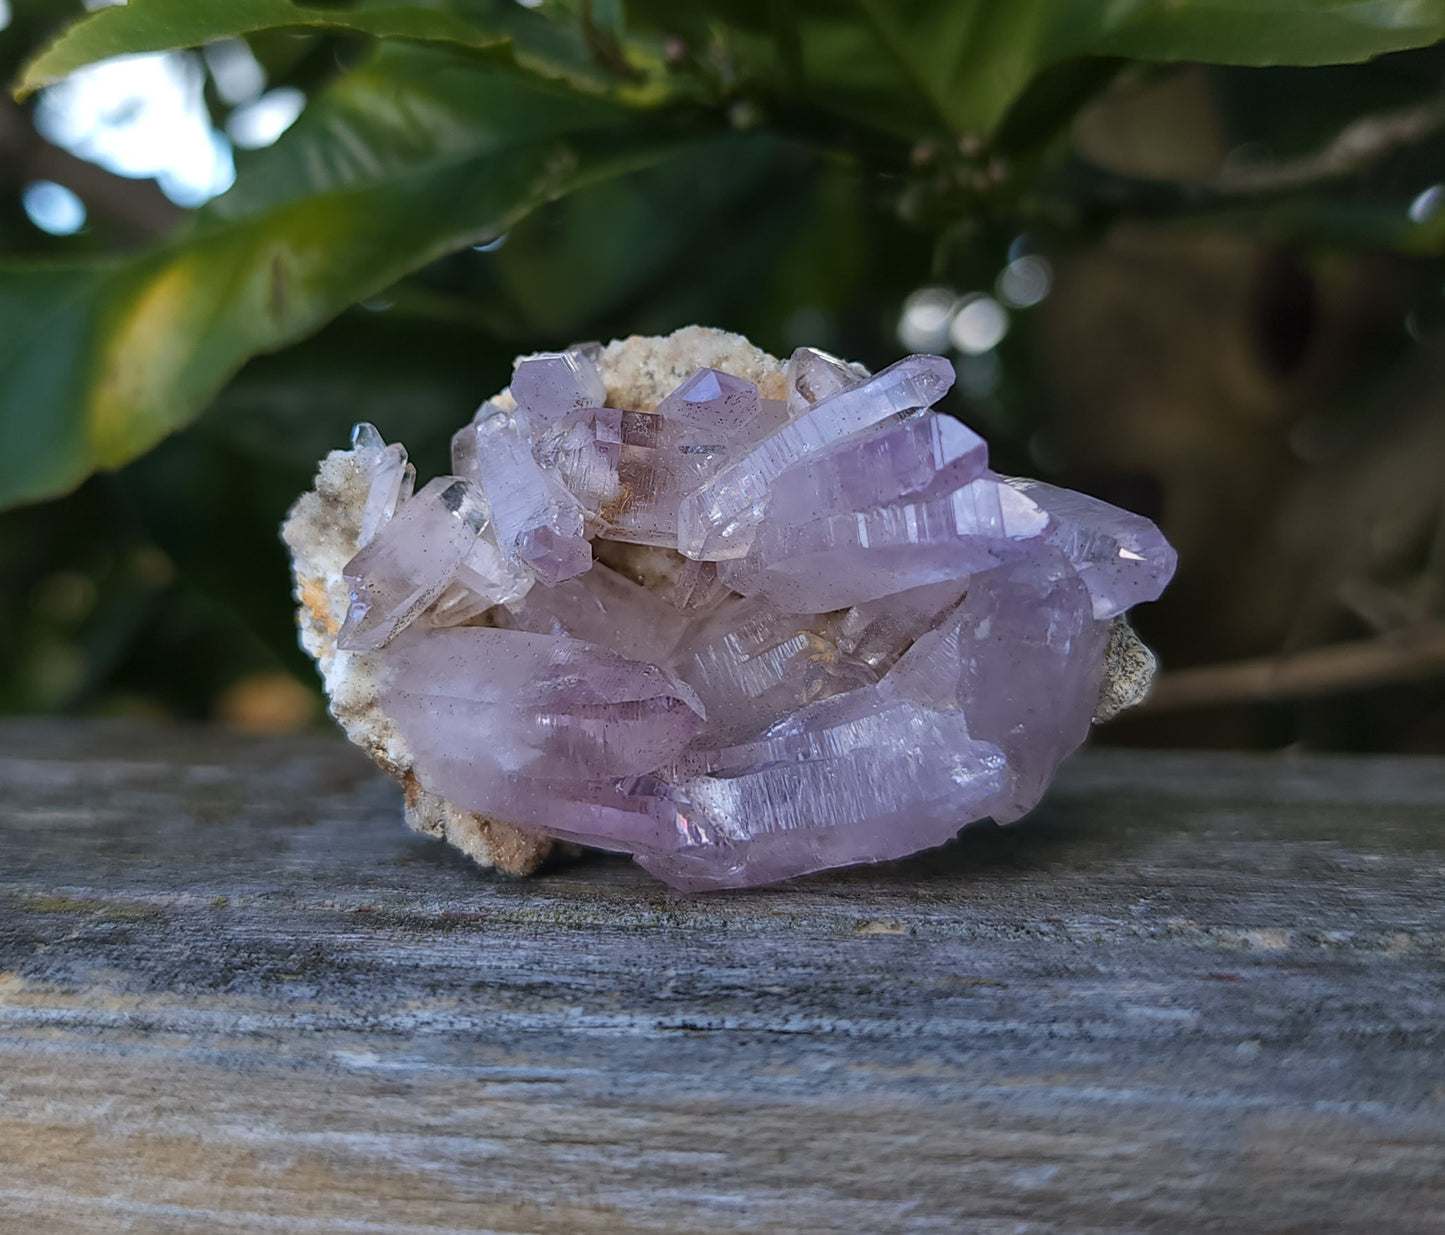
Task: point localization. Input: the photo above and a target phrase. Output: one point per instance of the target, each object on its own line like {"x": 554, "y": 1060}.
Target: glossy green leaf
{"x": 98, "y": 362}
{"x": 915, "y": 66}
{"x": 970, "y": 59}
{"x": 557, "y": 49}
{"x": 163, "y": 25}
{"x": 401, "y": 109}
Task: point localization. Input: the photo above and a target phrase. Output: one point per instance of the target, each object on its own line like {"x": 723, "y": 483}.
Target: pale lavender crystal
{"x": 631, "y": 470}
{"x": 845, "y": 559}
{"x": 697, "y": 588}
{"x": 714, "y": 407}
{"x": 605, "y": 608}
{"x": 878, "y": 631}
{"x": 877, "y": 779}
{"x": 926, "y": 455}
{"x": 582, "y": 450}
{"x": 752, "y": 665}
{"x": 410, "y": 562}
{"x": 1122, "y": 557}
{"x": 813, "y": 375}
{"x": 487, "y": 577}
{"x": 534, "y": 517}
{"x": 1021, "y": 659}
{"x": 392, "y": 478}
{"x": 519, "y": 702}
{"x": 870, "y": 640}
{"x": 718, "y": 520}
{"x": 482, "y": 709}
{"x": 550, "y": 384}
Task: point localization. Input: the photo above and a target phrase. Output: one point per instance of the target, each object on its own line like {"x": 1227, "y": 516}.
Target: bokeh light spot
{"x": 923, "y": 325}
{"x": 142, "y": 116}
{"x": 262, "y": 122}
{"x": 979, "y": 325}
{"x": 53, "y": 208}
{"x": 1025, "y": 281}
{"x": 1427, "y": 204}
{"x": 237, "y": 74}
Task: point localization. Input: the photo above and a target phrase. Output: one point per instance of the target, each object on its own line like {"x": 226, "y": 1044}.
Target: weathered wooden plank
{"x": 1195, "y": 992}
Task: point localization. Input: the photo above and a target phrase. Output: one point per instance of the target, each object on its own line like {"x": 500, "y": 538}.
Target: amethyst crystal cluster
{"x": 866, "y": 638}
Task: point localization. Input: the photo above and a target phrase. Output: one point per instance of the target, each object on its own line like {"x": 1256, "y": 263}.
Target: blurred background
{"x": 1201, "y": 276}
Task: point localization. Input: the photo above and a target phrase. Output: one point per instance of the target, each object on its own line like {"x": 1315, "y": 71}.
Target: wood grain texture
{"x": 1192, "y": 993}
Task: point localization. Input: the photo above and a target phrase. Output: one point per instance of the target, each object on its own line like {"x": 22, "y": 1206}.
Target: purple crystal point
{"x": 845, "y": 559}
{"x": 519, "y": 702}
{"x": 718, "y": 520}
{"x": 926, "y": 455}
{"x": 534, "y": 517}
{"x": 504, "y": 722}
{"x": 814, "y": 375}
{"x": 716, "y": 407}
{"x": 1021, "y": 658}
{"x": 550, "y": 384}
{"x": 878, "y": 779}
{"x": 410, "y": 562}
{"x": 1122, "y": 557}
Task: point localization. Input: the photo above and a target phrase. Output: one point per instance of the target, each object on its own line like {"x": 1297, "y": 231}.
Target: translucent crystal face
{"x": 860, "y": 638}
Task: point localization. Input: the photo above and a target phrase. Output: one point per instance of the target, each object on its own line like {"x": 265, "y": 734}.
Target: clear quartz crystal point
{"x": 486, "y": 578}
{"x": 391, "y": 478}
{"x": 409, "y": 562}
{"x": 534, "y": 518}
{"x": 630, "y": 470}
{"x": 366, "y": 438}
{"x": 814, "y": 375}
{"x": 550, "y": 384}
{"x": 718, "y": 520}
{"x": 871, "y": 639}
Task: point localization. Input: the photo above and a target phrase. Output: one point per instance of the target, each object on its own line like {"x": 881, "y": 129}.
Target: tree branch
{"x": 1353, "y": 149}
{"x": 1400, "y": 656}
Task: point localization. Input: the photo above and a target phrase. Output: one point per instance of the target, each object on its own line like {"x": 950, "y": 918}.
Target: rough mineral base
{"x": 740, "y": 634}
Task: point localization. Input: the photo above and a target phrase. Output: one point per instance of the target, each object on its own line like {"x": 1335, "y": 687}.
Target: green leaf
{"x": 401, "y": 109}
{"x": 548, "y": 46}
{"x": 98, "y": 362}
{"x": 1265, "y": 32}
{"x": 914, "y": 66}
{"x": 165, "y": 25}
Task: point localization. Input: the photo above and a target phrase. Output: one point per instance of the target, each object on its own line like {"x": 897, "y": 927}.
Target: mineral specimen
{"x": 743, "y": 620}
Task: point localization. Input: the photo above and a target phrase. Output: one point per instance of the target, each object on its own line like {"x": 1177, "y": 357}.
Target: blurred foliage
{"x": 1240, "y": 340}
